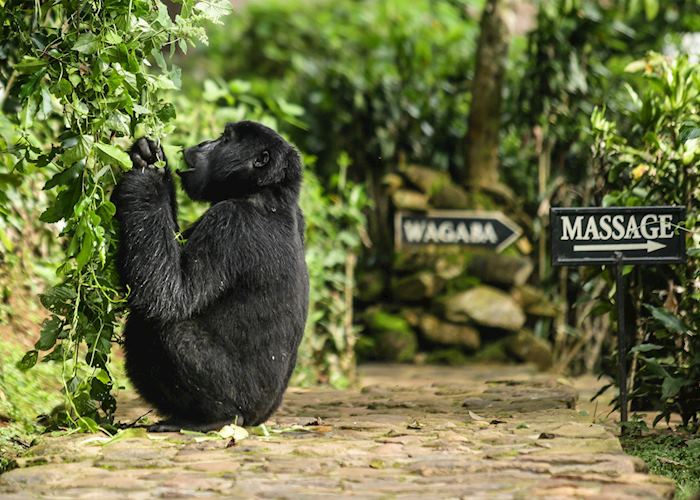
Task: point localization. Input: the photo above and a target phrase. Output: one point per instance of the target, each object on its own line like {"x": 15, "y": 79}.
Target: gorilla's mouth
{"x": 185, "y": 171}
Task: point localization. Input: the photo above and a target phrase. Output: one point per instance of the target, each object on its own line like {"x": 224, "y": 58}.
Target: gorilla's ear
{"x": 286, "y": 171}
{"x": 262, "y": 159}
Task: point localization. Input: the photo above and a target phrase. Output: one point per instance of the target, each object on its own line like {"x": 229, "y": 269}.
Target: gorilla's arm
{"x": 168, "y": 281}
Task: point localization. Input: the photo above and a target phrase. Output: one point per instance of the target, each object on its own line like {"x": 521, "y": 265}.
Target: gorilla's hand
{"x": 145, "y": 182}
{"x": 145, "y": 153}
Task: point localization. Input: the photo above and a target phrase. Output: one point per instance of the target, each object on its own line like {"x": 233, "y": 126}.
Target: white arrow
{"x": 649, "y": 246}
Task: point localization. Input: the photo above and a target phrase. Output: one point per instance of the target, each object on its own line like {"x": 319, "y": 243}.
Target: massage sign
{"x": 618, "y": 236}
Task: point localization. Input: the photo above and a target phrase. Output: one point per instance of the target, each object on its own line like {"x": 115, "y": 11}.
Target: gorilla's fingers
{"x": 143, "y": 149}
{"x": 138, "y": 161}
{"x": 155, "y": 153}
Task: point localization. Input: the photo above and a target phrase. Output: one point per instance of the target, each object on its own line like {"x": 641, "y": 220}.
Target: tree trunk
{"x": 481, "y": 142}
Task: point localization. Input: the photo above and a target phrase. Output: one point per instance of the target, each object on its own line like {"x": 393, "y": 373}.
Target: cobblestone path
{"x": 409, "y": 432}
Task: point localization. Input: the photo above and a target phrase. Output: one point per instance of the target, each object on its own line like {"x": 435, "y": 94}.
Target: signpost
{"x": 617, "y": 236}
{"x": 456, "y": 227}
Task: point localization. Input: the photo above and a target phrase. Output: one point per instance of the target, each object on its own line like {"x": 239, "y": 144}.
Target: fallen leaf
{"x": 416, "y": 425}
{"x": 474, "y": 416}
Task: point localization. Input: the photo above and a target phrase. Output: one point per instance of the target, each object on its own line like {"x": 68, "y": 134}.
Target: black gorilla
{"x": 215, "y": 322}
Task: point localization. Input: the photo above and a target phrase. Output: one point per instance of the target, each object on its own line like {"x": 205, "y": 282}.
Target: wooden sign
{"x": 618, "y": 236}
{"x": 456, "y": 227}
{"x": 636, "y": 235}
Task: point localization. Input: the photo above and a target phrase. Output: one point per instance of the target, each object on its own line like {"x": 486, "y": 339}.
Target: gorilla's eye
{"x": 262, "y": 160}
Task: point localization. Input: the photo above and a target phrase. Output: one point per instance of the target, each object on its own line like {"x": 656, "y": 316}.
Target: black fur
{"x": 215, "y": 323}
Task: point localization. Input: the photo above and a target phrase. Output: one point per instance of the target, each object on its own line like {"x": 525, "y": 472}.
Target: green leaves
{"x": 112, "y": 155}
{"x": 30, "y": 65}
{"x": 50, "y": 330}
{"x": 28, "y": 360}
{"x": 86, "y": 44}
{"x": 213, "y": 10}
{"x": 668, "y": 320}
{"x": 650, "y": 151}
{"x": 671, "y": 386}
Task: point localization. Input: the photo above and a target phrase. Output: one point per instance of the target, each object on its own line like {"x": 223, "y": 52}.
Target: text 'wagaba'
{"x": 456, "y": 227}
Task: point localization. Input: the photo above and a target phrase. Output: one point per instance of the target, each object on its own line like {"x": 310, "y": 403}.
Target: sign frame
{"x": 612, "y": 258}
{"x": 500, "y": 217}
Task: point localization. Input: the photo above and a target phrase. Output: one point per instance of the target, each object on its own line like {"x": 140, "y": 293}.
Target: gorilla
{"x": 215, "y": 321}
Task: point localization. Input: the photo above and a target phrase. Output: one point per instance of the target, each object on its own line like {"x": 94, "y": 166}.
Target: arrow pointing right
{"x": 649, "y": 246}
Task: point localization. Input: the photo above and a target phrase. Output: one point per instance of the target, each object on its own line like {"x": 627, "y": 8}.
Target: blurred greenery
{"x": 381, "y": 81}
{"x": 23, "y": 397}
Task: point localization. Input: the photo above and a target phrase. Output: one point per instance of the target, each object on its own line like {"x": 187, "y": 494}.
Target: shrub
{"x": 650, "y": 156}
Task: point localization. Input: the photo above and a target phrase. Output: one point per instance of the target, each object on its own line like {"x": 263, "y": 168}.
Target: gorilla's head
{"x": 247, "y": 158}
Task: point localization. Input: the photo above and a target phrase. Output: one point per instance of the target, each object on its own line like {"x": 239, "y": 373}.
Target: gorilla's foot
{"x": 177, "y": 425}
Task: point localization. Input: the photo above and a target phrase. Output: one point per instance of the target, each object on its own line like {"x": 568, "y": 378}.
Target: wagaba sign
{"x": 635, "y": 235}
{"x": 455, "y": 227}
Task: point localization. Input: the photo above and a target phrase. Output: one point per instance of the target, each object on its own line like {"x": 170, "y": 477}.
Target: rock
{"x": 394, "y": 339}
{"x": 398, "y": 346}
{"x": 370, "y": 285}
{"x": 415, "y": 287}
{"x": 450, "y": 196}
{"x": 404, "y": 199}
{"x": 527, "y": 295}
{"x": 534, "y": 301}
{"x": 493, "y": 352}
{"x": 485, "y": 305}
{"x": 449, "y": 357}
{"x": 514, "y": 396}
{"x": 391, "y": 183}
{"x": 446, "y": 262}
{"x": 426, "y": 179}
{"x": 450, "y": 266}
{"x": 544, "y": 310}
{"x": 442, "y": 332}
{"x": 461, "y": 283}
{"x": 412, "y": 259}
{"x": 411, "y": 315}
{"x": 500, "y": 269}
{"x": 525, "y": 346}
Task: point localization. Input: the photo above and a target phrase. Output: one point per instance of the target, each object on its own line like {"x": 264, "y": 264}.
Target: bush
{"x": 77, "y": 86}
{"x": 650, "y": 156}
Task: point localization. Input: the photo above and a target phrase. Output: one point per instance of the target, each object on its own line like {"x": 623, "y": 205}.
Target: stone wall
{"x": 449, "y": 304}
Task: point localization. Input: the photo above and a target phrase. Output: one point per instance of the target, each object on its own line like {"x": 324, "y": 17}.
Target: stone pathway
{"x": 409, "y": 432}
